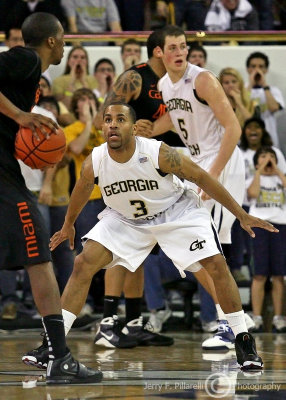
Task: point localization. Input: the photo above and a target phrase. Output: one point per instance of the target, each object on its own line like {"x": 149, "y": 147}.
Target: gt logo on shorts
{"x": 196, "y": 245}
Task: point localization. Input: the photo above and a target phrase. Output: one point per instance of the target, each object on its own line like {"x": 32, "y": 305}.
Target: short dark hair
{"x": 129, "y": 41}
{"x": 131, "y": 109}
{"x": 257, "y": 54}
{"x": 78, "y": 94}
{"x": 197, "y": 47}
{"x": 103, "y": 60}
{"x": 38, "y": 27}
{"x": 153, "y": 41}
{"x": 170, "y": 30}
{"x": 263, "y": 150}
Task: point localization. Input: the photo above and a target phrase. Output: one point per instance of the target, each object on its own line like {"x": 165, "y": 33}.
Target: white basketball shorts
{"x": 233, "y": 180}
{"x": 185, "y": 232}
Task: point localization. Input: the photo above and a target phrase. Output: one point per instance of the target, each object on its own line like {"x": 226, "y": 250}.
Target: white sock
{"x": 236, "y": 321}
{"x": 69, "y": 319}
{"x": 220, "y": 313}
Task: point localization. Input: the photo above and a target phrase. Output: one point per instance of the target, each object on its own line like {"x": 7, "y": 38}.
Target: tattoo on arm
{"x": 125, "y": 88}
{"x": 173, "y": 162}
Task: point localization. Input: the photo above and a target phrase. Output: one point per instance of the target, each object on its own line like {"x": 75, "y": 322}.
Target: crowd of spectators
{"x": 95, "y": 16}
{"x": 75, "y": 97}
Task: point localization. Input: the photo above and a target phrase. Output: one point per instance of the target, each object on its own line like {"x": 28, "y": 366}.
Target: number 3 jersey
{"x": 192, "y": 117}
{"x": 137, "y": 189}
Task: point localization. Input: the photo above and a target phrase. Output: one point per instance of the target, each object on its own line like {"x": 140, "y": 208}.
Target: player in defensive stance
{"x": 148, "y": 203}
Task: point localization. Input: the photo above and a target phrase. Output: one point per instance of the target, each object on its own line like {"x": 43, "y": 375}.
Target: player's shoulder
{"x": 147, "y": 144}
{"x": 163, "y": 81}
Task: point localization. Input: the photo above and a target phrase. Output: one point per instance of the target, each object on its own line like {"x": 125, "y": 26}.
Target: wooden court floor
{"x": 182, "y": 371}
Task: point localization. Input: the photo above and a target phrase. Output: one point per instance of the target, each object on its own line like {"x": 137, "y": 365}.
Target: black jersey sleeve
{"x": 18, "y": 64}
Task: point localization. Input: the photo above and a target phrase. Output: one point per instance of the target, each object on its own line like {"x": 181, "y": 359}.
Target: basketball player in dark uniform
{"x": 23, "y": 237}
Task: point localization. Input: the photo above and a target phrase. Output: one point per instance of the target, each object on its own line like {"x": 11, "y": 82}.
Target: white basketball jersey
{"x": 136, "y": 189}
{"x": 193, "y": 119}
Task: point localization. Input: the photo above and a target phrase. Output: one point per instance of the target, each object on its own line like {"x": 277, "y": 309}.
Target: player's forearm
{"x": 162, "y": 125}
{"x": 9, "y": 109}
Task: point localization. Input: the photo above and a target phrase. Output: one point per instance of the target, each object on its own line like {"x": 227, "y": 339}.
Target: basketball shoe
{"x": 222, "y": 340}
{"x": 109, "y": 335}
{"x": 38, "y": 357}
{"x": 246, "y": 353}
{"x": 68, "y": 371}
{"x": 143, "y": 334}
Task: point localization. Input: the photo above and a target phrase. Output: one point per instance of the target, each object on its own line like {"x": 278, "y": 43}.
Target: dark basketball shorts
{"x": 24, "y": 239}
{"x": 269, "y": 252}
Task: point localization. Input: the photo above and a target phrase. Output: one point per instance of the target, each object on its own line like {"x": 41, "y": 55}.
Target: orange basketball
{"x": 38, "y": 154}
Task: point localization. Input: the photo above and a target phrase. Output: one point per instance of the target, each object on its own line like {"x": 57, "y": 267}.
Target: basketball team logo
{"x": 218, "y": 385}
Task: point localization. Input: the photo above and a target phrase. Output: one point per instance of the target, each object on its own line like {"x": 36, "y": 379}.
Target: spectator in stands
{"x": 82, "y": 137}
{"x": 75, "y": 76}
{"x": 237, "y": 94}
{"x": 254, "y": 135}
{"x": 130, "y": 53}
{"x": 64, "y": 117}
{"x": 131, "y": 14}
{"x": 266, "y": 192}
{"x": 197, "y": 55}
{"x": 15, "y": 11}
{"x": 265, "y": 12}
{"x": 191, "y": 12}
{"x": 92, "y": 16}
{"x": 231, "y": 15}
{"x": 13, "y": 37}
{"x": 269, "y": 98}
{"x": 104, "y": 73}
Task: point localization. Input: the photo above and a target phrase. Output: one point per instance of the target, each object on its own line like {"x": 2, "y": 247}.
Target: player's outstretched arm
{"x": 170, "y": 161}
{"x": 79, "y": 197}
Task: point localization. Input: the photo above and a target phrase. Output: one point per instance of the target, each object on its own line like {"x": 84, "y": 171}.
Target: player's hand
{"x": 34, "y": 121}
{"x": 144, "y": 128}
{"x": 67, "y": 232}
{"x": 248, "y": 221}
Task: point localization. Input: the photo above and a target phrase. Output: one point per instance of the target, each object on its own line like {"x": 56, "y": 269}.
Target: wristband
{"x": 266, "y": 88}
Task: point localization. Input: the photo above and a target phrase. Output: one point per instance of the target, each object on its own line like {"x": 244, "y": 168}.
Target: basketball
{"x": 38, "y": 154}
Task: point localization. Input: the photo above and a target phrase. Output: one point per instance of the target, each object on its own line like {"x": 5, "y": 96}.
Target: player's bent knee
{"x": 216, "y": 266}
{"x": 82, "y": 269}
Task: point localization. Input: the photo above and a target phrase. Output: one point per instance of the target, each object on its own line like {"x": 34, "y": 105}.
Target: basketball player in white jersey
{"x": 203, "y": 117}
{"x": 148, "y": 203}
